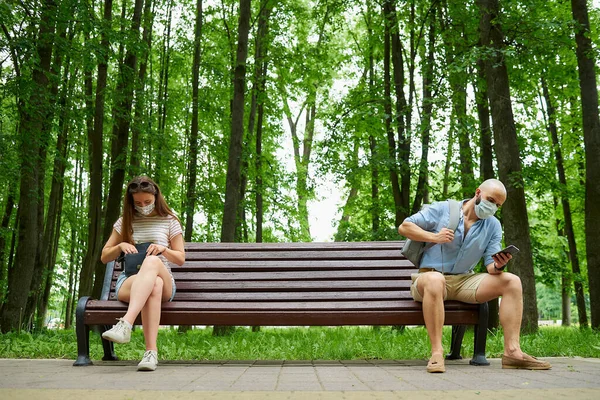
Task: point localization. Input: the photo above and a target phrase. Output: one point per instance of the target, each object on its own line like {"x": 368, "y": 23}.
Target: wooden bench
{"x": 287, "y": 284}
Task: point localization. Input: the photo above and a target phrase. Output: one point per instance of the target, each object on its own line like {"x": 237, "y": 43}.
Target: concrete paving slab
{"x": 577, "y": 378}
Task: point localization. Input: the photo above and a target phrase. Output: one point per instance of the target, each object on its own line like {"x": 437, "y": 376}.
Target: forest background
{"x": 253, "y": 115}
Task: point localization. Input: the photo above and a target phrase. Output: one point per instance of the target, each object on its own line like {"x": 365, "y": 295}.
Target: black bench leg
{"x": 481, "y": 337}
{"x": 458, "y": 331}
{"x": 108, "y": 346}
{"x": 83, "y": 335}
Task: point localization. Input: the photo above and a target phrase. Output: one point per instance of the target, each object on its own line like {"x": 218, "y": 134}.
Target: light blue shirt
{"x": 462, "y": 254}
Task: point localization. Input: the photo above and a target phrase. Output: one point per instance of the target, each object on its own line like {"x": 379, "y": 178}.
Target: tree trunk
{"x": 4, "y": 229}
{"x": 428, "y": 76}
{"x": 259, "y": 168}
{"x": 70, "y": 282}
{"x": 163, "y": 95}
{"x": 455, "y": 43}
{"x": 373, "y": 148}
{"x": 514, "y": 210}
{"x": 447, "y": 164}
{"x": 591, "y": 136}
{"x": 566, "y": 206}
{"x": 344, "y": 224}
{"x": 402, "y": 111}
{"x": 258, "y": 99}
{"x": 33, "y": 119}
{"x": 54, "y": 214}
{"x": 193, "y": 154}
{"x": 232, "y": 186}
{"x": 486, "y": 160}
{"x": 387, "y": 110}
{"x": 140, "y": 97}
{"x": 232, "y": 190}
{"x": 120, "y": 138}
{"x": 95, "y": 157}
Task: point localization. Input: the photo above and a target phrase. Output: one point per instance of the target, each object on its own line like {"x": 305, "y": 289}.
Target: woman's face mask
{"x": 145, "y": 210}
{"x": 484, "y": 209}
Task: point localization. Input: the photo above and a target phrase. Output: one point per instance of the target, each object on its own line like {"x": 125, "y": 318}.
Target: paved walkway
{"x": 576, "y": 378}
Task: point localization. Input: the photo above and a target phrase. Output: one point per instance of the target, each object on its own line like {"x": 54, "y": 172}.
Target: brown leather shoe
{"x": 527, "y": 362}
{"x": 436, "y": 363}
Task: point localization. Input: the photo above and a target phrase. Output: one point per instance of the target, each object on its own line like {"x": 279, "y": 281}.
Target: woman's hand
{"x": 156, "y": 249}
{"x": 127, "y": 248}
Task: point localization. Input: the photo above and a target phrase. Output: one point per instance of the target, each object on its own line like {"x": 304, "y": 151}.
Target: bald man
{"x": 446, "y": 271}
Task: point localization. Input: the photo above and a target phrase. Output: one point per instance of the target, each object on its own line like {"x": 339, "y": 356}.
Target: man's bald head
{"x": 494, "y": 189}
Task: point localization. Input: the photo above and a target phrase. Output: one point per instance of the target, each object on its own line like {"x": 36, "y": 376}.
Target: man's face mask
{"x": 146, "y": 210}
{"x": 484, "y": 209}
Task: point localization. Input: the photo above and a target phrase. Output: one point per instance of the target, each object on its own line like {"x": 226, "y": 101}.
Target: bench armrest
{"x": 110, "y": 267}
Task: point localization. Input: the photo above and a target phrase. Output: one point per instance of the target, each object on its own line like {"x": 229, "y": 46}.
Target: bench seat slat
{"x": 290, "y": 276}
{"x": 291, "y": 318}
{"x": 281, "y": 286}
{"x": 291, "y": 296}
{"x": 294, "y": 285}
{"x": 192, "y": 264}
{"x": 299, "y": 255}
{"x": 180, "y": 275}
{"x": 282, "y": 305}
{"x": 191, "y": 247}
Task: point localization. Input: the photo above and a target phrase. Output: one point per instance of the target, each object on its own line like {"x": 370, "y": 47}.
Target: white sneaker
{"x": 149, "y": 361}
{"x": 120, "y": 333}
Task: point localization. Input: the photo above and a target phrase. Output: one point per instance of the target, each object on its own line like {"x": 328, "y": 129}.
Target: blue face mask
{"x": 484, "y": 209}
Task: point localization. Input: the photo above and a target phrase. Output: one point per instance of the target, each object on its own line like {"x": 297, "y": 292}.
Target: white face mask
{"x": 485, "y": 209}
{"x": 146, "y": 210}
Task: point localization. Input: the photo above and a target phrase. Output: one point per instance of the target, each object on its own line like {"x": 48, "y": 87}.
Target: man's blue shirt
{"x": 462, "y": 254}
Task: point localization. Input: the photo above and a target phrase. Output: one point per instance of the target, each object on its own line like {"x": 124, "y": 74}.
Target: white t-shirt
{"x": 156, "y": 229}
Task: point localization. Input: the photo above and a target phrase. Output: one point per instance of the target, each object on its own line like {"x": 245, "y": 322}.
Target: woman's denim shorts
{"x": 122, "y": 278}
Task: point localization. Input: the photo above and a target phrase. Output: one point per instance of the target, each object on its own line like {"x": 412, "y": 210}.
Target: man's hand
{"x": 444, "y": 236}
{"x": 500, "y": 261}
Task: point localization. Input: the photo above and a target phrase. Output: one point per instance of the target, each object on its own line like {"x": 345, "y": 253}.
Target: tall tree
{"x": 454, "y": 34}
{"x": 591, "y": 136}
{"x": 402, "y": 113}
{"x": 193, "y": 153}
{"x": 373, "y": 146}
{"x": 34, "y": 112}
{"x": 421, "y": 192}
{"x": 392, "y": 149}
{"x": 257, "y": 103}
{"x": 514, "y": 210}
{"x": 55, "y": 201}
{"x": 232, "y": 189}
{"x": 141, "y": 102}
{"x": 95, "y": 157}
{"x": 566, "y": 206}
{"x": 120, "y": 135}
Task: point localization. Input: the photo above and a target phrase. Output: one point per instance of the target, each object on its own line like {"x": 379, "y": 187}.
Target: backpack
{"x": 413, "y": 250}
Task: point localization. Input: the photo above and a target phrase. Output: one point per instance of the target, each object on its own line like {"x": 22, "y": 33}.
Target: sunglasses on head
{"x": 135, "y": 186}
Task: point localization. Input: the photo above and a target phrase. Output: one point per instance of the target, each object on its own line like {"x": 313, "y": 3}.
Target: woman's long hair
{"x": 136, "y": 185}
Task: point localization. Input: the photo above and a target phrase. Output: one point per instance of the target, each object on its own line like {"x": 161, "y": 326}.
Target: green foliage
{"x": 326, "y": 53}
{"x": 317, "y": 343}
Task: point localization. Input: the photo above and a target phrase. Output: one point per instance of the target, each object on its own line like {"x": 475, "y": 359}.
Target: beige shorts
{"x": 461, "y": 287}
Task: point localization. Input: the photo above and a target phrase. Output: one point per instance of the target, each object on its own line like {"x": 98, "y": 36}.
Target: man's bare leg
{"x": 432, "y": 286}
{"x": 509, "y": 287}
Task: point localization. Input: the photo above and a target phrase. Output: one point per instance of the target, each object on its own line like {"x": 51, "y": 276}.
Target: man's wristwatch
{"x": 499, "y": 269}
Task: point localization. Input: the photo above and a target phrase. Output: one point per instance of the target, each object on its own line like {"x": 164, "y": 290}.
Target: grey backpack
{"x": 413, "y": 250}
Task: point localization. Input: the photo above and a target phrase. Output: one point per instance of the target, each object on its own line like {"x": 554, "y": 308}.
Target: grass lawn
{"x": 315, "y": 343}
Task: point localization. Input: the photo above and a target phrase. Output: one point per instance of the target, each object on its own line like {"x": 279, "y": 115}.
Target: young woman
{"x": 146, "y": 218}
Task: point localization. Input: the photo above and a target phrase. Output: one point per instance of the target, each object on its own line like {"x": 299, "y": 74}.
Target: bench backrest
{"x": 295, "y": 284}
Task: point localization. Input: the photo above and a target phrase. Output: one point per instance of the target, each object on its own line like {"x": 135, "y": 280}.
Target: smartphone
{"x": 509, "y": 250}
